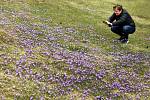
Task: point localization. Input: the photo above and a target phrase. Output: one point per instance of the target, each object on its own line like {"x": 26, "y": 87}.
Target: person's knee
{"x": 114, "y": 29}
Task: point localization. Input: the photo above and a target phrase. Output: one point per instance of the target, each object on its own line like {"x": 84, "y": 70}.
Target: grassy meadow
{"x": 61, "y": 50}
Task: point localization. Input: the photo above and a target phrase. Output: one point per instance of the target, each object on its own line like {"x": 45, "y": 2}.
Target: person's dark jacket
{"x": 123, "y": 19}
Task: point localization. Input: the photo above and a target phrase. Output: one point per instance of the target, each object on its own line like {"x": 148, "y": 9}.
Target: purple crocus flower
{"x": 115, "y": 85}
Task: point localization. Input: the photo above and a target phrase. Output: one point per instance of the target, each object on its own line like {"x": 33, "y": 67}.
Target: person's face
{"x": 117, "y": 12}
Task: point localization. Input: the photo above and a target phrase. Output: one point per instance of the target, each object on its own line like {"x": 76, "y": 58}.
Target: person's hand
{"x": 108, "y": 23}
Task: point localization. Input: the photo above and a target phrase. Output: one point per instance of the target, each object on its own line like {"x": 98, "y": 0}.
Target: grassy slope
{"x": 85, "y": 18}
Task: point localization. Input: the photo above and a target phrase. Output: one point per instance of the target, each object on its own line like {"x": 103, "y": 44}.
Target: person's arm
{"x": 112, "y": 18}
{"x": 121, "y": 21}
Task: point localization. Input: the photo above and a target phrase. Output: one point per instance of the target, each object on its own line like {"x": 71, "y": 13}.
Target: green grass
{"x": 12, "y": 87}
{"x": 85, "y": 17}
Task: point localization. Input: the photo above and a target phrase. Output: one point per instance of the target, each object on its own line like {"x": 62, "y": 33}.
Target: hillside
{"x": 61, "y": 50}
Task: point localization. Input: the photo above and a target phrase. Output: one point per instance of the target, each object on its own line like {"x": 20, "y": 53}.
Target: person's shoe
{"x": 124, "y": 41}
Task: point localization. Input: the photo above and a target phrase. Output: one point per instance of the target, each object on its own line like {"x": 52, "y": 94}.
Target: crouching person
{"x": 121, "y": 23}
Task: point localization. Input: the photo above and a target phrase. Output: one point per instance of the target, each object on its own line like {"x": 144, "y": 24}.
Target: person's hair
{"x": 118, "y": 7}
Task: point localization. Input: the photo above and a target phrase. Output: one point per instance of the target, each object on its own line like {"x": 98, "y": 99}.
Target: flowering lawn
{"x": 60, "y": 50}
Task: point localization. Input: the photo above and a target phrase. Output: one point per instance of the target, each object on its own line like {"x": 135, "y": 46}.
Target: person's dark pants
{"x": 123, "y": 31}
